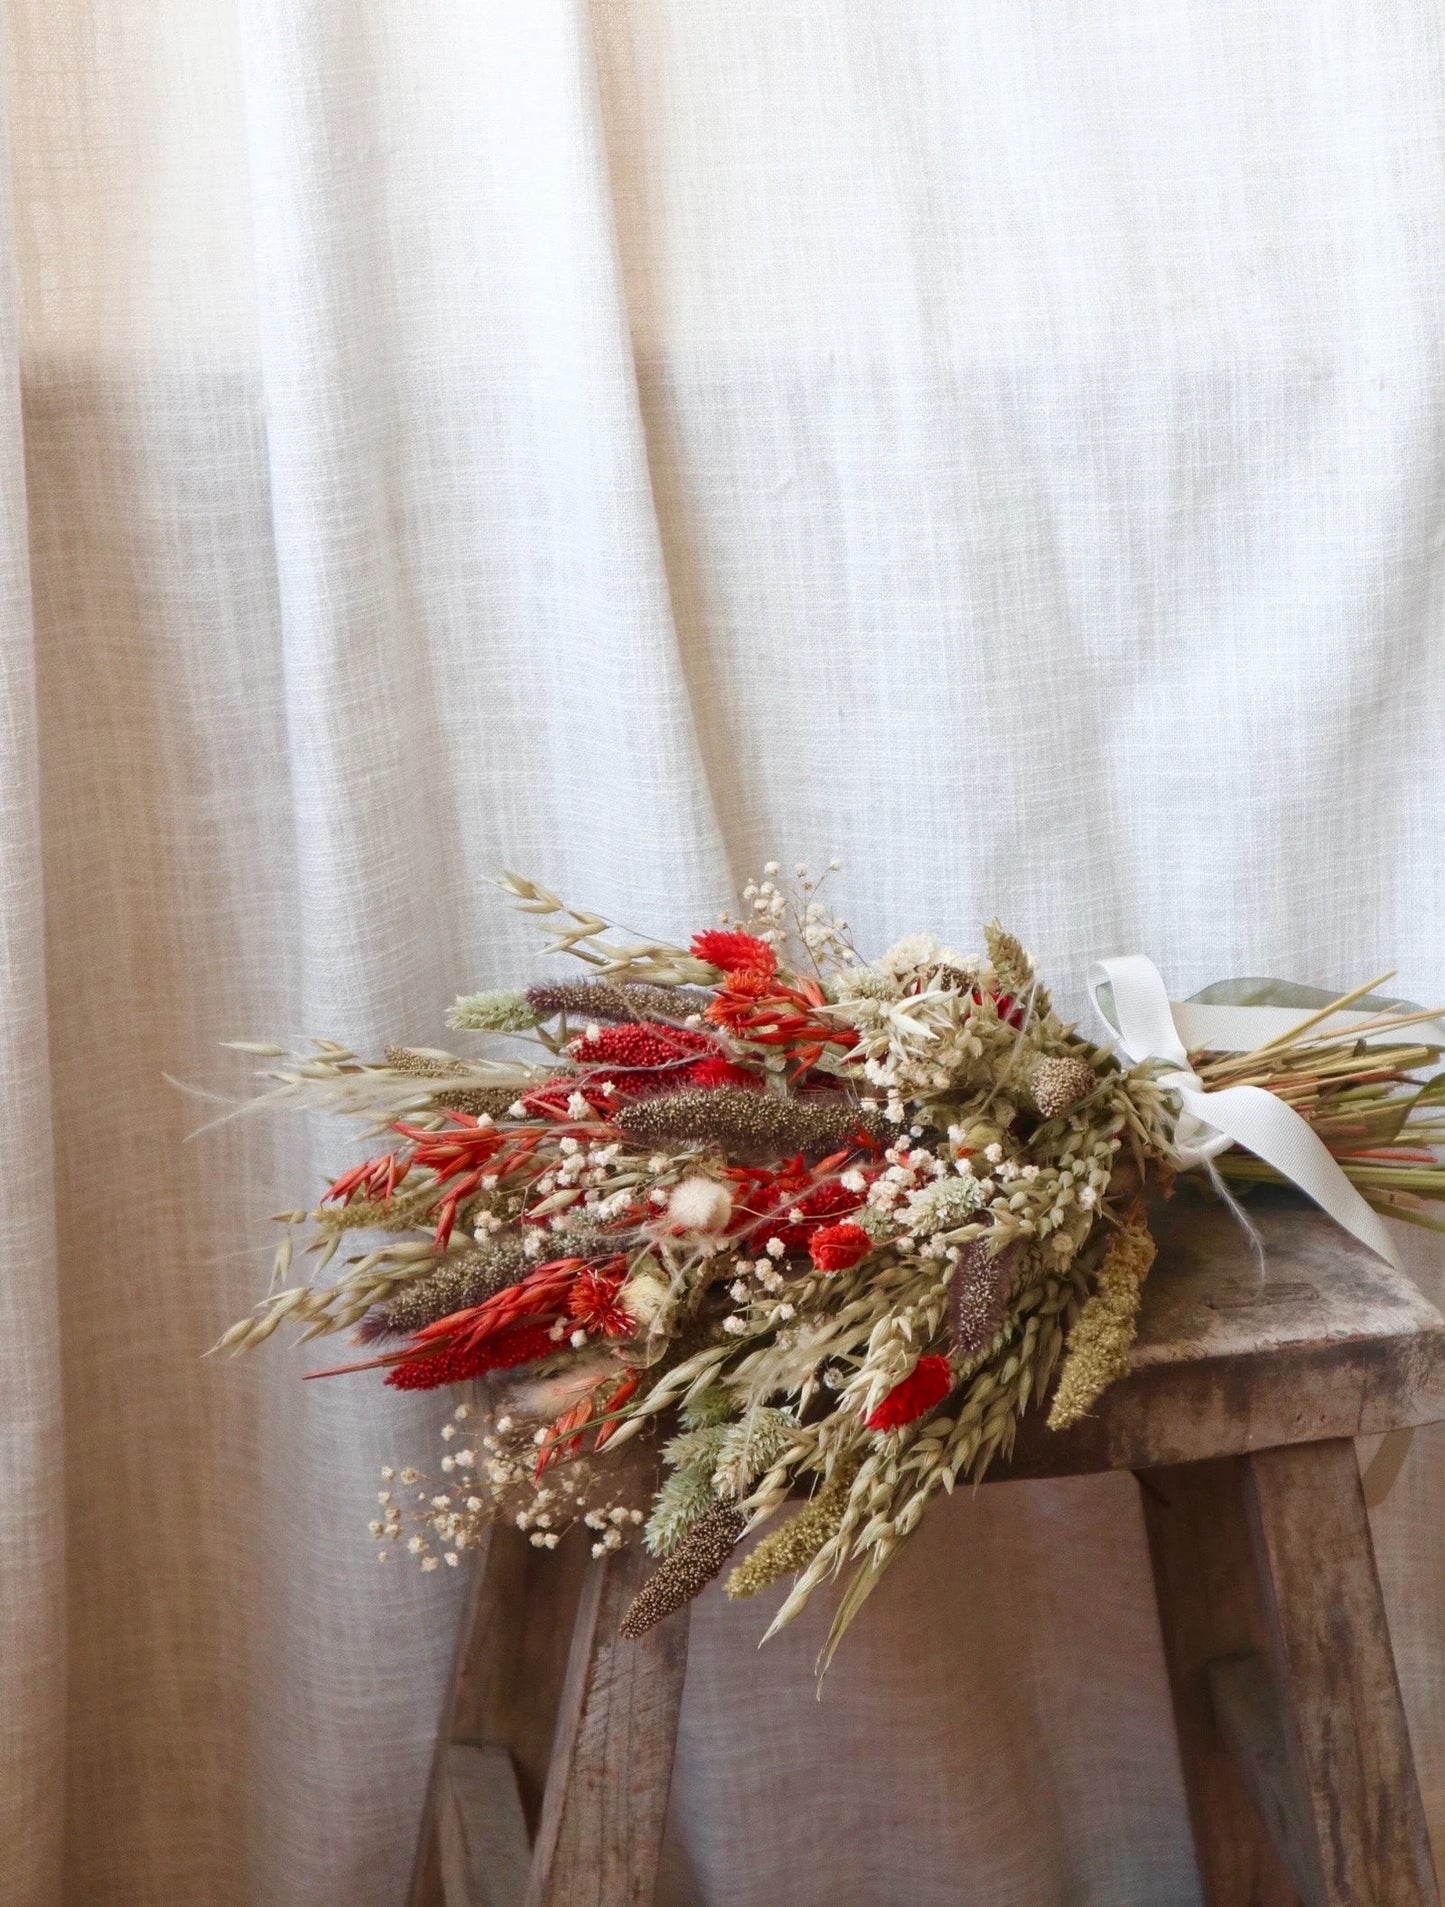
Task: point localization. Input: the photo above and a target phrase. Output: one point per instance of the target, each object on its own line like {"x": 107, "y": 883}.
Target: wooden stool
{"x": 1238, "y": 1418}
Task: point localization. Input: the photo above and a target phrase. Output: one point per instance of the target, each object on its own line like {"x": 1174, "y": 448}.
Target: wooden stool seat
{"x": 1246, "y": 1391}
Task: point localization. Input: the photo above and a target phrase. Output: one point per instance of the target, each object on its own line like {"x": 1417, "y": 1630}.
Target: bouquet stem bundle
{"x": 1362, "y": 1094}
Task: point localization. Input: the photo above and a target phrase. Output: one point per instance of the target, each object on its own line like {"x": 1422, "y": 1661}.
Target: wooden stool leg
{"x": 428, "y": 1887}
{"x": 1344, "y": 1727}
{"x": 600, "y": 1836}
{"x": 496, "y": 1738}
{"x": 1200, "y": 1546}
{"x": 1292, "y": 1735}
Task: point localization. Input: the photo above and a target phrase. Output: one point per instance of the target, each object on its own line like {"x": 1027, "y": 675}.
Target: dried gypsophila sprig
{"x": 492, "y": 1476}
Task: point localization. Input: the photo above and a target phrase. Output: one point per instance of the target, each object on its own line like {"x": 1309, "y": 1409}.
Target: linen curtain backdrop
{"x": 999, "y": 441}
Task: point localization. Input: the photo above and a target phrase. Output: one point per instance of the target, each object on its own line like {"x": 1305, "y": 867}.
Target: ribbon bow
{"x": 1247, "y": 1116}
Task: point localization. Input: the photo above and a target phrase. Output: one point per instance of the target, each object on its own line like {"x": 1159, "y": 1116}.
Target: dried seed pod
{"x": 1011, "y": 962}
{"x": 455, "y": 1286}
{"x": 1098, "y": 1346}
{"x": 687, "y": 1571}
{"x": 979, "y": 1294}
{"x": 1057, "y": 1085}
{"x": 604, "y": 1000}
{"x": 791, "y": 1547}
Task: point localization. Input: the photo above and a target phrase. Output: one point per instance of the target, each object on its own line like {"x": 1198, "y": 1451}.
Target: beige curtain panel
{"x": 1002, "y": 443}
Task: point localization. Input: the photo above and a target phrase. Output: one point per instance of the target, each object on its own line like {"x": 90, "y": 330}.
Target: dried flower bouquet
{"x": 825, "y": 1227}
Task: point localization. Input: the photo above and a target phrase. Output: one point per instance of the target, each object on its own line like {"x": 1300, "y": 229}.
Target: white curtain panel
{"x": 1001, "y": 442}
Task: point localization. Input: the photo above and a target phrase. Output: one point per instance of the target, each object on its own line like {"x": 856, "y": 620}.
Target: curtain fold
{"x": 32, "y": 1427}
{"x": 626, "y": 441}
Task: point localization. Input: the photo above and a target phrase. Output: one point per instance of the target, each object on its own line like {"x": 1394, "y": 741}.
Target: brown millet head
{"x": 465, "y": 1280}
{"x": 606, "y": 1001}
{"x": 476, "y": 1100}
{"x": 686, "y": 1572}
{"x": 745, "y": 1125}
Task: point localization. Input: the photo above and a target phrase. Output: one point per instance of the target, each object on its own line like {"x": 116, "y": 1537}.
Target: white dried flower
{"x": 643, "y": 1297}
{"x": 700, "y": 1205}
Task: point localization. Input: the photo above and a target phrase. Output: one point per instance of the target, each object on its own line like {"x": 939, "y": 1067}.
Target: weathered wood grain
{"x": 1344, "y": 1723}
{"x": 1292, "y": 1735}
{"x": 514, "y": 1670}
{"x": 1327, "y": 1342}
{"x": 512, "y": 1658}
{"x": 1247, "y": 1715}
{"x": 606, "y": 1804}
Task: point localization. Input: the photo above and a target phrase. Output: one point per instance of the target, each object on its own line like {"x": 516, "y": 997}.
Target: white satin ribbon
{"x": 1247, "y": 1116}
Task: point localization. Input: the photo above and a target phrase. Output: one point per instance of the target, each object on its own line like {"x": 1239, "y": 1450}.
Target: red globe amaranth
{"x": 643, "y": 1056}
{"x": 927, "y": 1384}
{"x": 522, "y": 1344}
{"x": 839, "y": 1247}
{"x": 734, "y": 952}
{"x": 640, "y": 1044}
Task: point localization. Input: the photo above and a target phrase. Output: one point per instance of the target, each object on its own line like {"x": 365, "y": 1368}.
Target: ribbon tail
{"x": 1274, "y": 1132}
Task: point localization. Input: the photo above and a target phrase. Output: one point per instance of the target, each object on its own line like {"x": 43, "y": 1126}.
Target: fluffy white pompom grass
{"x": 700, "y": 1205}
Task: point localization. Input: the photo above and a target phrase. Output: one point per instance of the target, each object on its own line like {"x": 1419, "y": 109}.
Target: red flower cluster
{"x": 640, "y": 1046}
{"x": 644, "y": 1056}
{"x": 927, "y": 1384}
{"x": 522, "y": 1344}
{"x": 735, "y": 952}
{"x": 839, "y": 1247}
{"x": 791, "y": 1191}
{"x": 755, "y": 1005}
{"x": 717, "y": 1071}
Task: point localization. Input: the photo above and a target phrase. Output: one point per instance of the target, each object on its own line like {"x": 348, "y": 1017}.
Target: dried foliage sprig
{"x": 823, "y": 1227}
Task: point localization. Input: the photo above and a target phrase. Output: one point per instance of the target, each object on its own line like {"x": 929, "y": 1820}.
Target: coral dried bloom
{"x": 734, "y": 952}
{"x": 593, "y": 1304}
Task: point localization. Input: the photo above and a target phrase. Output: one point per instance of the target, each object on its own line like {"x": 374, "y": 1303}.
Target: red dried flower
{"x": 815, "y": 1209}
{"x": 592, "y": 1302}
{"x": 927, "y": 1384}
{"x": 734, "y": 952}
{"x": 641, "y": 1045}
{"x": 717, "y": 1071}
{"x": 550, "y": 1099}
{"x": 522, "y": 1344}
{"x": 839, "y": 1247}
